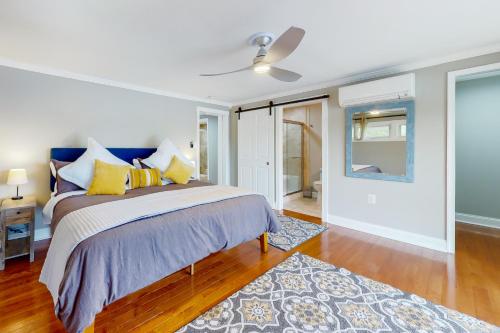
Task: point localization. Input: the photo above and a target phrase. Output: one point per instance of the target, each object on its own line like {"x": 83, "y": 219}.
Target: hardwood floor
{"x": 468, "y": 282}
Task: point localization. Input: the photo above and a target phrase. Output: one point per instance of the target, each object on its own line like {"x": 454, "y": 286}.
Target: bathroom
{"x": 302, "y": 159}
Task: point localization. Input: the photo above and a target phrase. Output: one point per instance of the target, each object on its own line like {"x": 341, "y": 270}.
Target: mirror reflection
{"x": 379, "y": 141}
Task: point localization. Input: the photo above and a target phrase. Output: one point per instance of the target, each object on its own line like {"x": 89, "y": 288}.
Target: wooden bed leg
{"x": 89, "y": 329}
{"x": 191, "y": 269}
{"x": 263, "y": 243}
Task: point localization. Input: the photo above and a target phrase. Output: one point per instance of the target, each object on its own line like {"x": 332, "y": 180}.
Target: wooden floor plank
{"x": 467, "y": 281}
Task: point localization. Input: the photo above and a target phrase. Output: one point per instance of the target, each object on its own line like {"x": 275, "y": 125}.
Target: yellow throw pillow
{"x": 178, "y": 171}
{"x": 145, "y": 177}
{"x": 108, "y": 179}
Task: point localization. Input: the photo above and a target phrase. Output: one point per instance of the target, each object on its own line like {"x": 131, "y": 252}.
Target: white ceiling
{"x": 164, "y": 45}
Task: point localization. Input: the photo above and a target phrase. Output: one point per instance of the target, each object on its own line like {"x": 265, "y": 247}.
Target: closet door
{"x": 256, "y": 152}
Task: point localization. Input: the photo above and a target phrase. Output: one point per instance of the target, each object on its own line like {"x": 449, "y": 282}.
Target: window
{"x": 376, "y": 131}
{"x": 402, "y": 130}
{"x": 356, "y": 131}
{"x": 380, "y": 130}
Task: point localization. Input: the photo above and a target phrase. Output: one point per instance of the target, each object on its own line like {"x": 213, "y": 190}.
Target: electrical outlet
{"x": 372, "y": 199}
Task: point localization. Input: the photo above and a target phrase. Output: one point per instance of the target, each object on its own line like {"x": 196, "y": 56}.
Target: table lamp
{"x": 17, "y": 177}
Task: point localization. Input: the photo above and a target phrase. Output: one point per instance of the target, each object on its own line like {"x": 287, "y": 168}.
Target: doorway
{"x": 471, "y": 165}
{"x": 208, "y": 143}
{"x": 212, "y": 143}
{"x": 302, "y": 158}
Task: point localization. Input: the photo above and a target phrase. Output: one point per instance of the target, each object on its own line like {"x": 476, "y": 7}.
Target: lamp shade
{"x": 17, "y": 177}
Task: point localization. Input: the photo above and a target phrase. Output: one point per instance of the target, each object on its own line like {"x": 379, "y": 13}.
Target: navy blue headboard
{"x": 71, "y": 154}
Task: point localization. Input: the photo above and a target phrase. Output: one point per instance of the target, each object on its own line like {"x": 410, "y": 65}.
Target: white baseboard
{"x": 42, "y": 233}
{"x": 478, "y": 220}
{"x": 391, "y": 233}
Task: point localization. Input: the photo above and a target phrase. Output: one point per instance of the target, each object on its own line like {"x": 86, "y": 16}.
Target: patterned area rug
{"x": 303, "y": 294}
{"x": 294, "y": 232}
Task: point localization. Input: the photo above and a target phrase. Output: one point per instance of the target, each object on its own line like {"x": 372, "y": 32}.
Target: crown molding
{"x": 377, "y": 73}
{"x": 106, "y": 82}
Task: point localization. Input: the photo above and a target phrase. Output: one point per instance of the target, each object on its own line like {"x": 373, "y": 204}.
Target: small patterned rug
{"x": 303, "y": 294}
{"x": 294, "y": 232}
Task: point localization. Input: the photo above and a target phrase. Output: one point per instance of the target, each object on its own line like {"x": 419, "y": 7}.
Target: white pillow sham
{"x": 81, "y": 171}
{"x": 136, "y": 163}
{"x": 161, "y": 158}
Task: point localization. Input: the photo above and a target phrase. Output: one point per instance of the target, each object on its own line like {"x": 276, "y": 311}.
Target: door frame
{"x": 324, "y": 155}
{"x": 453, "y": 77}
{"x": 222, "y": 142}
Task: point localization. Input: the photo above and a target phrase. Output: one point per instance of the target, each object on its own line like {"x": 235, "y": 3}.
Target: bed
{"x": 366, "y": 168}
{"x": 167, "y": 228}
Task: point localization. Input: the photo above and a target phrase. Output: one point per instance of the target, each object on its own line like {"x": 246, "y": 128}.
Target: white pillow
{"x": 161, "y": 158}
{"x": 136, "y": 163}
{"x": 53, "y": 170}
{"x": 81, "y": 171}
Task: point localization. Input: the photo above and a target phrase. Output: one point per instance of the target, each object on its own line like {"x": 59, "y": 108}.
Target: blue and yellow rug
{"x": 294, "y": 232}
{"x": 304, "y": 294}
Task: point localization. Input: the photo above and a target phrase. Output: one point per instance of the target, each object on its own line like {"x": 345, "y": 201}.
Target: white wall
{"x": 389, "y": 156}
{"x": 315, "y": 142}
{"x": 39, "y": 111}
{"x": 411, "y": 209}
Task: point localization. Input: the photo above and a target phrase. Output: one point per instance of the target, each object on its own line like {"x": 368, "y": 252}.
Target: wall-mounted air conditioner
{"x": 392, "y": 88}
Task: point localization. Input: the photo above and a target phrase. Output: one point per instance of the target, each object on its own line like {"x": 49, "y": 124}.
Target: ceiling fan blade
{"x": 285, "y": 45}
{"x": 238, "y": 70}
{"x": 284, "y": 75}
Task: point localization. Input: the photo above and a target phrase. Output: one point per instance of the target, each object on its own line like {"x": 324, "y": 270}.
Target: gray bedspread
{"x": 119, "y": 261}
{"x": 370, "y": 169}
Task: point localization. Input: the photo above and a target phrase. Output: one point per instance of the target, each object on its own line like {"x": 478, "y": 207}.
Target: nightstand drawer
{"x": 20, "y": 215}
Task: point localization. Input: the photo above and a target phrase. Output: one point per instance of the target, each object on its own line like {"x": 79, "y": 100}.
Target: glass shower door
{"x": 292, "y": 157}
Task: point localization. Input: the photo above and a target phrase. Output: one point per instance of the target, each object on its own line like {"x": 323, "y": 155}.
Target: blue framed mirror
{"x": 380, "y": 141}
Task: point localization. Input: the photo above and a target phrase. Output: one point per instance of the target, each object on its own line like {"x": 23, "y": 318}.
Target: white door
{"x": 256, "y": 152}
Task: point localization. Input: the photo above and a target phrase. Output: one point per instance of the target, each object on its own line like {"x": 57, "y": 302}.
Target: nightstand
{"x": 16, "y": 213}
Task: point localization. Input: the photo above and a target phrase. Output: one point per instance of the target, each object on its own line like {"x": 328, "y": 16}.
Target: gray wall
{"x": 389, "y": 156}
{"x": 478, "y": 147}
{"x": 213, "y": 149}
{"x": 40, "y": 111}
{"x": 417, "y": 207}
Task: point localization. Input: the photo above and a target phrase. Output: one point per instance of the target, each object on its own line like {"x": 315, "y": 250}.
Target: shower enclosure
{"x": 293, "y": 156}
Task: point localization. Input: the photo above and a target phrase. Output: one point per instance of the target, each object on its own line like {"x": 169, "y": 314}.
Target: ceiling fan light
{"x": 262, "y": 68}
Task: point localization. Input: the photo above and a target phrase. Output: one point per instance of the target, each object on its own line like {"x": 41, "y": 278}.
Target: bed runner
{"x": 83, "y": 223}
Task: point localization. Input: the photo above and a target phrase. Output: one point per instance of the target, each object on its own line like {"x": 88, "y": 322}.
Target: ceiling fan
{"x": 279, "y": 50}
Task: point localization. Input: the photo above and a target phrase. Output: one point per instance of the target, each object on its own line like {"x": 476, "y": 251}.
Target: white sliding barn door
{"x": 256, "y": 153}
